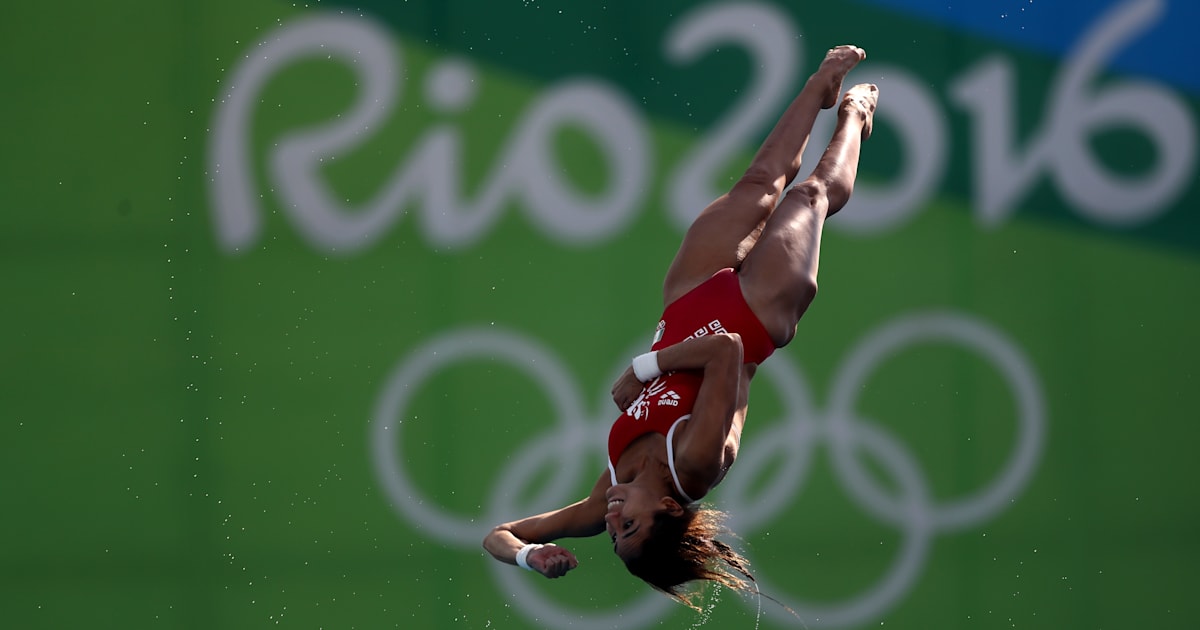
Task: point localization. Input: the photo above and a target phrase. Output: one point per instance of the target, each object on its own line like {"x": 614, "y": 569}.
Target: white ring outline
{"x": 538, "y": 364}
{"x": 804, "y": 430}
{"x": 572, "y": 434}
{"x": 944, "y": 326}
{"x": 895, "y": 582}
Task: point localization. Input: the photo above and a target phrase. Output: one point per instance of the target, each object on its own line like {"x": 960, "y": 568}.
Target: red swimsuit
{"x": 716, "y": 306}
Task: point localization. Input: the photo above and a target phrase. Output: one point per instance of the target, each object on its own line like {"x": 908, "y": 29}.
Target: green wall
{"x": 302, "y": 299}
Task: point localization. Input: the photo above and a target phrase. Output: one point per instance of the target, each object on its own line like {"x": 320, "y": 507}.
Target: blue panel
{"x": 1168, "y": 50}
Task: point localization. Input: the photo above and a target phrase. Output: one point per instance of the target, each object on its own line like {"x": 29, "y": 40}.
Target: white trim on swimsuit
{"x": 612, "y": 471}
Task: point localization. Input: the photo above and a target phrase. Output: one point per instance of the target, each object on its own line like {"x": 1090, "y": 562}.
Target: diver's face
{"x": 630, "y": 516}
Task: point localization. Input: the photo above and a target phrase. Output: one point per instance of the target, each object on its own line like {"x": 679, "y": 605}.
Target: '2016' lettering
{"x": 527, "y": 172}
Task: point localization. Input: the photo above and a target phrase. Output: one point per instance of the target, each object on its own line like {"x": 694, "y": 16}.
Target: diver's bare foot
{"x": 860, "y": 101}
{"x": 833, "y": 69}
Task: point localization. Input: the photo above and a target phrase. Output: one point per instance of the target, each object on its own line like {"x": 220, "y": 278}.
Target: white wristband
{"x": 523, "y": 555}
{"x": 645, "y": 367}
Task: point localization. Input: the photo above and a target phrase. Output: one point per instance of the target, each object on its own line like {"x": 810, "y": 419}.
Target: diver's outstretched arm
{"x": 579, "y": 520}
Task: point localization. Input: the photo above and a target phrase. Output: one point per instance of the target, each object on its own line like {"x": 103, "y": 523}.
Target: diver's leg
{"x": 725, "y": 231}
{"x": 779, "y": 275}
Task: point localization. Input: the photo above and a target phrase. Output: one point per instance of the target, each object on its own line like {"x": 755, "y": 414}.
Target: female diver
{"x": 744, "y": 275}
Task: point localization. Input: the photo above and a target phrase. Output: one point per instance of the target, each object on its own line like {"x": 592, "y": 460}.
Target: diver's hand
{"x": 552, "y": 561}
{"x": 627, "y": 389}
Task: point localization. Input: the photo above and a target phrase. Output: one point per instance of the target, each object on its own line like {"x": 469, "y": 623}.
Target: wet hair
{"x": 681, "y": 549}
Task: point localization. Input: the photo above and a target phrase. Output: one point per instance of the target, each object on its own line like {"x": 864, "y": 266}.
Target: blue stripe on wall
{"x": 1169, "y": 50}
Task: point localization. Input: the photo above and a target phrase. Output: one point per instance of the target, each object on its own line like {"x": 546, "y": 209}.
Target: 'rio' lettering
{"x": 429, "y": 180}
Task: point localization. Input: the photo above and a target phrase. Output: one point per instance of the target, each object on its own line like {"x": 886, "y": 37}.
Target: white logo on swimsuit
{"x": 641, "y": 407}
{"x": 670, "y": 399}
{"x": 786, "y": 446}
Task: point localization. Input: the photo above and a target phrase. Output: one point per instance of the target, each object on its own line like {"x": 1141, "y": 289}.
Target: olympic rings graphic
{"x": 791, "y": 442}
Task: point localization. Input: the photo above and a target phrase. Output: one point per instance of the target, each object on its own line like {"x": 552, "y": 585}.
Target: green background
{"x": 186, "y": 435}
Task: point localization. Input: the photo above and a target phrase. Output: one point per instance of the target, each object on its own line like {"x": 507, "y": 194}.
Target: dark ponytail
{"x": 682, "y": 549}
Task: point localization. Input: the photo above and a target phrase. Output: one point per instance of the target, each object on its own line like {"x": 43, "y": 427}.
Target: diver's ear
{"x": 672, "y": 506}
